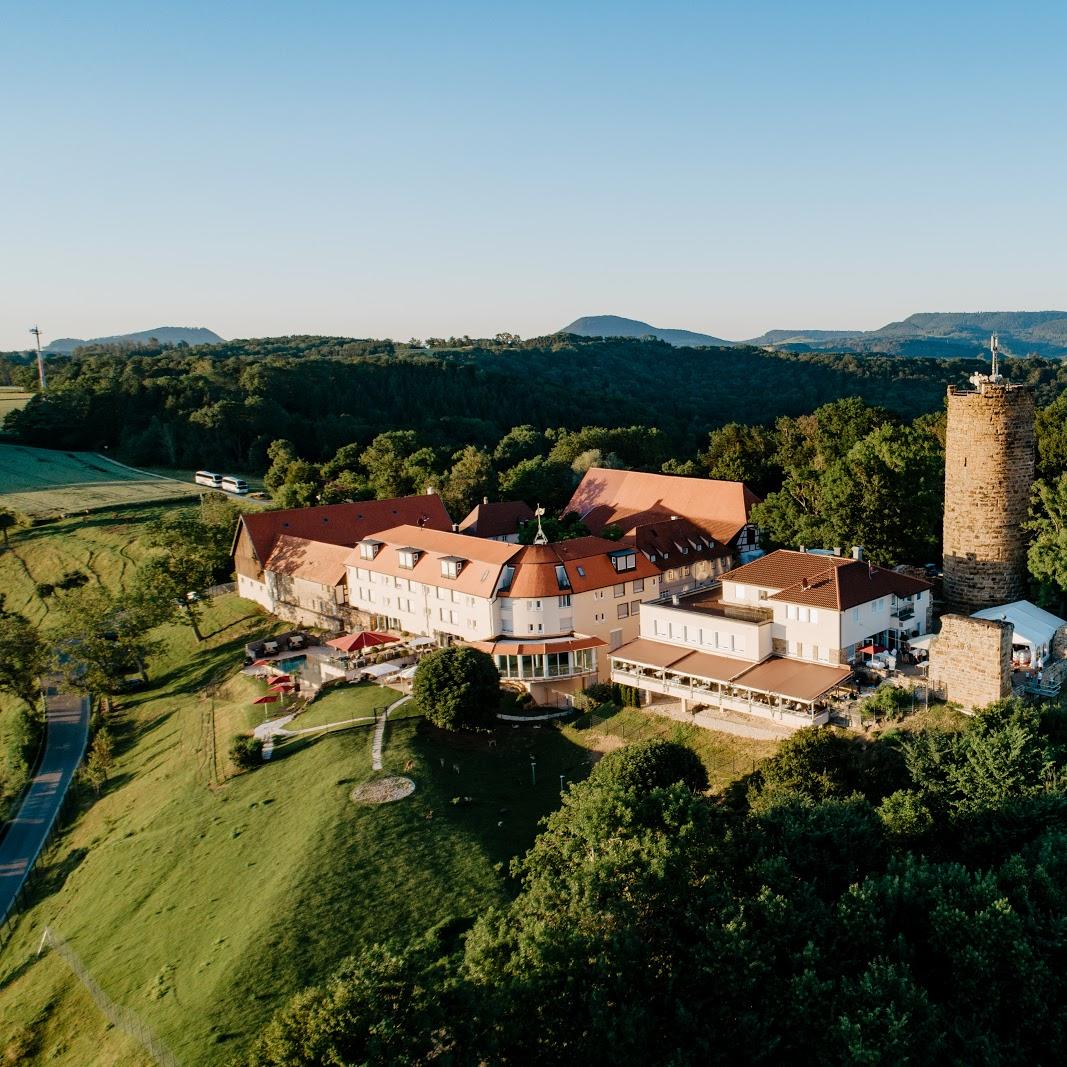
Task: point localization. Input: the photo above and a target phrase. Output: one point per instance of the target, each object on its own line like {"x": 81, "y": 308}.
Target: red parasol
{"x": 872, "y": 650}
{"x": 270, "y": 698}
{"x": 283, "y": 687}
{"x": 360, "y": 641}
{"x": 261, "y": 663}
{"x": 280, "y": 678}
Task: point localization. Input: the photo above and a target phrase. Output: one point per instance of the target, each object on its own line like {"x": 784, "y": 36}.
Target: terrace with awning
{"x": 786, "y": 690}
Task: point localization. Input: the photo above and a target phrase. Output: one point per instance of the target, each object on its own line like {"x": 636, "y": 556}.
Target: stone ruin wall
{"x": 970, "y": 662}
{"x": 989, "y": 470}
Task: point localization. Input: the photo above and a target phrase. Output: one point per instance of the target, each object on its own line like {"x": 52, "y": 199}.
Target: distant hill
{"x": 934, "y": 334}
{"x": 616, "y": 326}
{"x": 172, "y": 335}
{"x": 939, "y": 334}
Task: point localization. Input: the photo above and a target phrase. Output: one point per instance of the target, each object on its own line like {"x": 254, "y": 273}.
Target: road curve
{"x": 68, "y": 733}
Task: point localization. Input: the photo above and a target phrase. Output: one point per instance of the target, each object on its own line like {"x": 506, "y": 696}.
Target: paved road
{"x": 68, "y": 732}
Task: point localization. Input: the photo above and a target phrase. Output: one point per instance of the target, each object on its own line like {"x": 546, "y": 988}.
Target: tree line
{"x": 222, "y": 405}
{"x": 889, "y": 900}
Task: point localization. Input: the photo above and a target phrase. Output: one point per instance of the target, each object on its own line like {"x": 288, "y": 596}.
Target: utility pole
{"x": 36, "y": 331}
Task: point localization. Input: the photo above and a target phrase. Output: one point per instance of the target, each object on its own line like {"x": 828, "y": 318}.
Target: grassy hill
{"x": 203, "y": 906}
{"x": 42, "y": 482}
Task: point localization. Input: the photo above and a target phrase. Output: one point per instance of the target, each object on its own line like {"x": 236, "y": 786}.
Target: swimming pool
{"x": 294, "y": 663}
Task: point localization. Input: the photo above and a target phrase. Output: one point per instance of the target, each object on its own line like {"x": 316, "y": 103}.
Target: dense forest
{"x": 221, "y": 405}
{"x": 854, "y": 901}
{"x": 845, "y": 449}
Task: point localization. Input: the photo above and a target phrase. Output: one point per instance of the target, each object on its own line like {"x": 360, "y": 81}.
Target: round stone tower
{"x": 989, "y": 469}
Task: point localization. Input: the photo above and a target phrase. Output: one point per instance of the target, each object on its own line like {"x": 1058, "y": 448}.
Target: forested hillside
{"x": 223, "y": 404}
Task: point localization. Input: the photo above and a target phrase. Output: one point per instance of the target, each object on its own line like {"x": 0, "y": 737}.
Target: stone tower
{"x": 989, "y": 469}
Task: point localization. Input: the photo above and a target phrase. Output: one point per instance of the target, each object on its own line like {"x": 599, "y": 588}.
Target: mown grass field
{"x": 42, "y": 482}
{"x": 726, "y": 757}
{"x": 104, "y": 546}
{"x": 202, "y": 908}
{"x": 12, "y": 399}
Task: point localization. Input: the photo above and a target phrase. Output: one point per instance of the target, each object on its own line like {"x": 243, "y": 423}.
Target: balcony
{"x": 903, "y": 612}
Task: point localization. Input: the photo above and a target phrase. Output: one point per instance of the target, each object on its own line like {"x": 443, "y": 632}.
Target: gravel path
{"x": 379, "y": 734}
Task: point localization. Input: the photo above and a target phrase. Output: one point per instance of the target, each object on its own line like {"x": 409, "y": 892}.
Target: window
{"x": 369, "y": 549}
{"x": 535, "y": 605}
{"x": 451, "y": 566}
{"x": 598, "y": 594}
{"x": 671, "y": 576}
{"x": 561, "y": 577}
{"x": 855, "y": 614}
{"x": 623, "y": 611}
{"x": 620, "y": 590}
{"x": 407, "y": 558}
{"x": 564, "y": 601}
{"x": 813, "y": 615}
{"x": 739, "y": 592}
{"x": 635, "y": 607}
{"x": 624, "y": 561}
{"x": 598, "y": 617}
{"x": 614, "y": 640}
{"x": 581, "y": 571}
{"x": 685, "y": 571}
{"x": 361, "y": 573}
{"x": 639, "y": 585}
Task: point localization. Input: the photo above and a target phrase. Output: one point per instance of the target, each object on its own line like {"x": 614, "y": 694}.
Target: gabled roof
{"x": 1033, "y": 624}
{"x": 499, "y": 518}
{"x": 676, "y": 542}
{"x": 822, "y": 581}
{"x": 586, "y": 563}
{"x": 341, "y": 524}
{"x": 483, "y": 559}
{"x": 635, "y": 498}
{"x": 314, "y": 561}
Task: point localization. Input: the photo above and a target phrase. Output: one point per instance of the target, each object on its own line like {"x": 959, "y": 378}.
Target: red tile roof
{"x": 586, "y": 561}
{"x": 341, "y": 524}
{"x": 499, "y": 518}
{"x": 313, "y": 561}
{"x": 477, "y": 577}
{"x": 635, "y": 498}
{"x": 823, "y": 581}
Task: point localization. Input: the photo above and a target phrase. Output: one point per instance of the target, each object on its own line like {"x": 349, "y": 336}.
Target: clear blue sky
{"x": 447, "y": 167}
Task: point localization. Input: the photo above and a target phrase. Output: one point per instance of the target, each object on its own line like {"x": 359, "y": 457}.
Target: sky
{"x": 429, "y": 169}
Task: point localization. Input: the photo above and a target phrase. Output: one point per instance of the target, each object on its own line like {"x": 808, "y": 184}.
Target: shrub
{"x": 647, "y": 765}
{"x": 629, "y": 696}
{"x": 889, "y": 702}
{"x": 457, "y": 688}
{"x": 45, "y": 590}
{"x": 603, "y": 692}
{"x": 246, "y": 751}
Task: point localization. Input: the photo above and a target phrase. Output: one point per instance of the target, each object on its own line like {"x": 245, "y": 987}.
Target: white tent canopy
{"x": 382, "y": 670}
{"x": 1034, "y": 626}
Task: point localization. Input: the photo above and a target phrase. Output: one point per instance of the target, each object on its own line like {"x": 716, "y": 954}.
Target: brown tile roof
{"x": 635, "y": 498}
{"x": 650, "y": 653}
{"x": 341, "y": 524}
{"x": 499, "y": 518}
{"x": 823, "y": 581}
{"x": 586, "y": 561}
{"x": 313, "y": 561}
{"x": 672, "y": 543}
{"x": 478, "y": 576}
{"x": 533, "y": 648}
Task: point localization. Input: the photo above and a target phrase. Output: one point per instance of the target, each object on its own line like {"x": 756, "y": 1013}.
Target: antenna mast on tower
{"x": 36, "y": 331}
{"x": 994, "y": 350}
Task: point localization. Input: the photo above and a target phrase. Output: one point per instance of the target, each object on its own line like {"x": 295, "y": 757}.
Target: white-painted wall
{"x": 702, "y": 632}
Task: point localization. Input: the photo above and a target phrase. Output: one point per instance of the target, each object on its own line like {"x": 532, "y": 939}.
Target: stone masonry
{"x": 989, "y": 469}
{"x": 970, "y": 662}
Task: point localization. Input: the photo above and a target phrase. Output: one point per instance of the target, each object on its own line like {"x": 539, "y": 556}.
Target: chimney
{"x": 430, "y": 490}
{"x": 803, "y": 548}
{"x": 485, "y": 500}
{"x": 674, "y": 518}
{"x": 803, "y": 583}
{"x": 837, "y": 550}
{"x": 455, "y": 527}
{"x": 857, "y": 551}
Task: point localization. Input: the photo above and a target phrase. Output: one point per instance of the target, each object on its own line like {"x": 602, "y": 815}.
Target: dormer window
{"x": 562, "y": 580}
{"x": 451, "y": 566}
{"x": 507, "y": 577}
{"x": 624, "y": 561}
{"x": 369, "y": 548}
{"x": 407, "y": 558}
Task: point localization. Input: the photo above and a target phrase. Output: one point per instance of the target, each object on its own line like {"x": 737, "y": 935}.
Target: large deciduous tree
{"x": 457, "y": 688}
